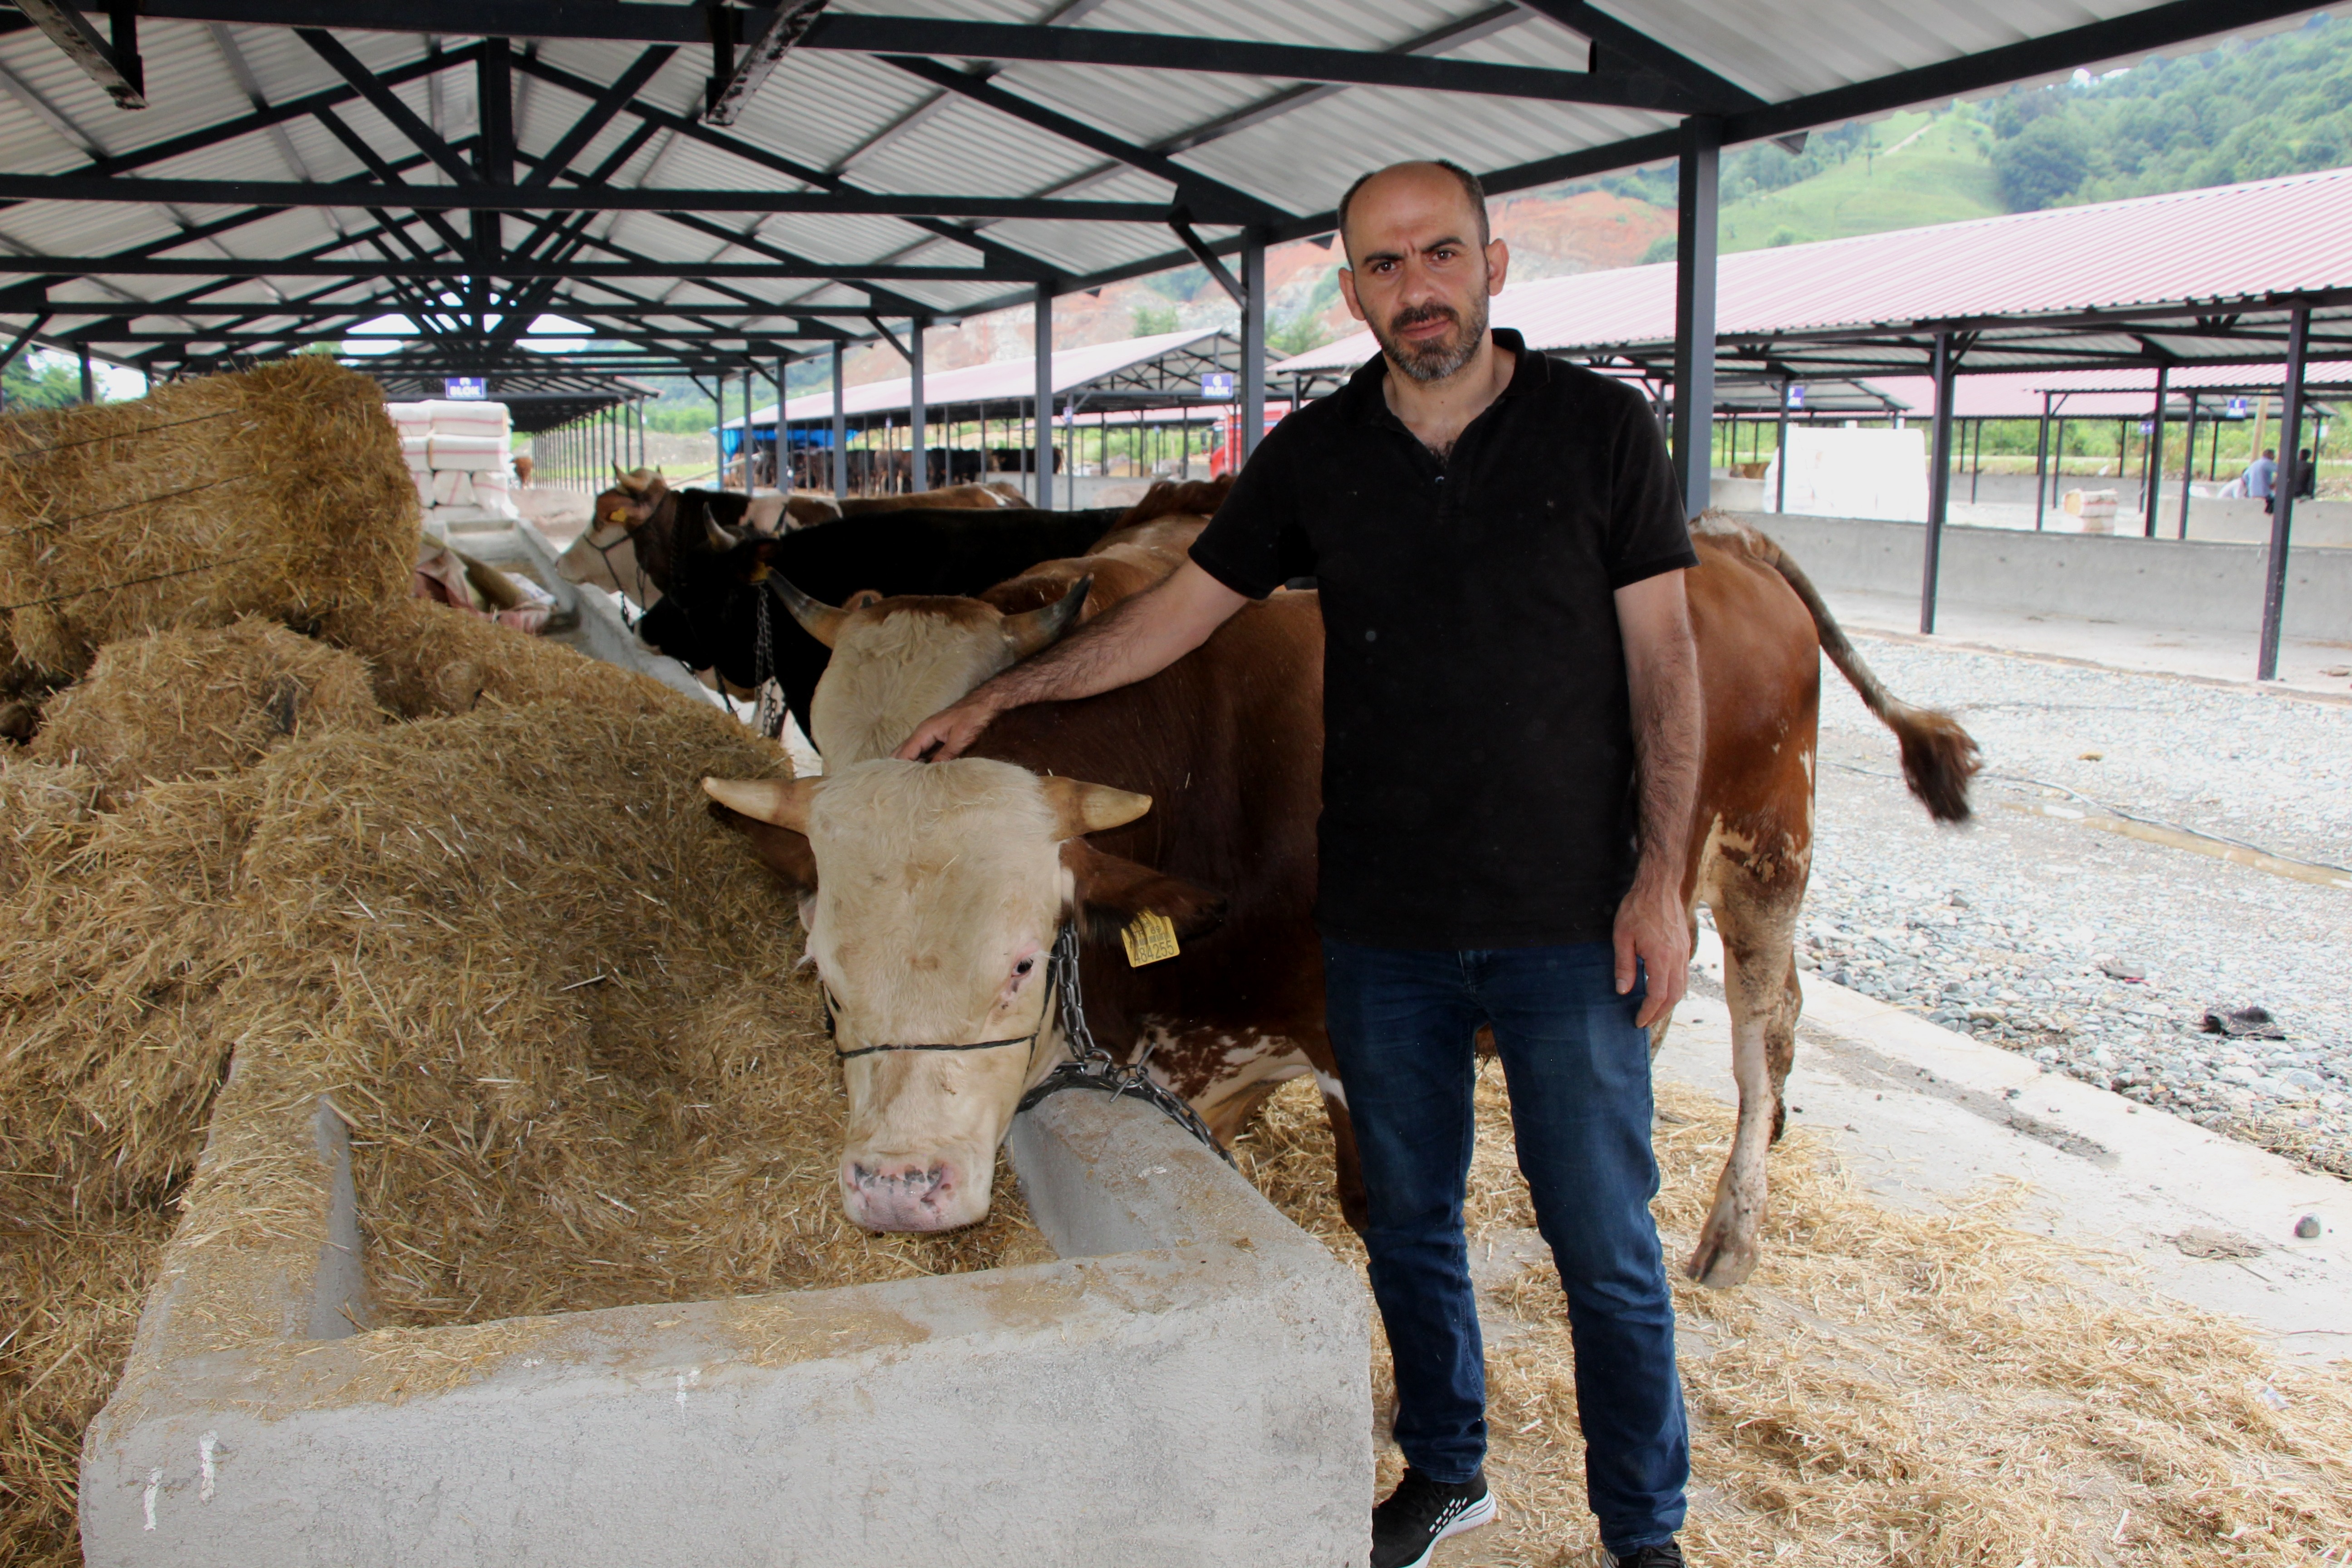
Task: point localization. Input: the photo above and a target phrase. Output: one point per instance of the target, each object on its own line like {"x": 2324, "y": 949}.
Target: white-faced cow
{"x": 934, "y": 891}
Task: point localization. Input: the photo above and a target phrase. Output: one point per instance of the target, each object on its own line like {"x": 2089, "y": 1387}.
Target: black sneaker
{"x": 1421, "y": 1512}
{"x": 1665, "y": 1555}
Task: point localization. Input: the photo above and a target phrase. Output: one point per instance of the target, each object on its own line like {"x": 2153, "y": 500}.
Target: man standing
{"x": 2259, "y": 474}
{"x": 1500, "y": 543}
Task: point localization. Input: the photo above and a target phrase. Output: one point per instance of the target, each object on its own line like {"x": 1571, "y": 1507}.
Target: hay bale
{"x": 176, "y": 705}
{"x": 431, "y": 660}
{"x": 279, "y": 491}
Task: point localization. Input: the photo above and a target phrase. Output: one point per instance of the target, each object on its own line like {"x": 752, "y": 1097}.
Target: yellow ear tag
{"x": 1150, "y": 938}
{"x": 616, "y": 515}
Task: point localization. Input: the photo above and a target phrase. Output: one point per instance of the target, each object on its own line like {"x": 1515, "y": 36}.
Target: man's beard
{"x": 1438, "y": 358}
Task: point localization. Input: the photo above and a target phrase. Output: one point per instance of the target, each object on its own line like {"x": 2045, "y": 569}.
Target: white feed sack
{"x": 453, "y": 486}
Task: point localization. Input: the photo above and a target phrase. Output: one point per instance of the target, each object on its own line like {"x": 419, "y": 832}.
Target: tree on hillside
{"x": 2042, "y": 165}
{"x": 39, "y": 380}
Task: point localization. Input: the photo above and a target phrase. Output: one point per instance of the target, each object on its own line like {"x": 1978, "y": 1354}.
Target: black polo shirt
{"x": 1478, "y": 751}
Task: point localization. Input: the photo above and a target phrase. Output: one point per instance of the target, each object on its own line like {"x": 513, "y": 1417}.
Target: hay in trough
{"x": 1928, "y": 1390}
{"x": 183, "y": 704}
{"x": 432, "y": 660}
{"x": 553, "y": 999}
{"x": 278, "y": 492}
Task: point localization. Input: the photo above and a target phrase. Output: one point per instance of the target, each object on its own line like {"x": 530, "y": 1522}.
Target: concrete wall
{"x": 2161, "y": 582}
{"x": 1188, "y": 1385}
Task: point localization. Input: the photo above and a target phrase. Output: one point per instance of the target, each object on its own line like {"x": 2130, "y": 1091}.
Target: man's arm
{"x": 1139, "y": 638}
{"x": 1662, "y": 672}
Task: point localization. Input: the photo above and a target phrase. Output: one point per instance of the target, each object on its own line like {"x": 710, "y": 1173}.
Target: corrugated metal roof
{"x": 1006, "y": 380}
{"x": 886, "y": 129}
{"x": 2233, "y": 245}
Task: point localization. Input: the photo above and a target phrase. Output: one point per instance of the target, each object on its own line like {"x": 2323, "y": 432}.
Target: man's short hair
{"x": 1471, "y": 187}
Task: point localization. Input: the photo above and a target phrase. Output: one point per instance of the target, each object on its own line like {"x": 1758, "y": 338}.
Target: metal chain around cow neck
{"x": 1094, "y": 1066}
{"x": 769, "y": 708}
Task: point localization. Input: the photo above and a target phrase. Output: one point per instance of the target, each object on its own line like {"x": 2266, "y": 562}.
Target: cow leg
{"x": 1756, "y": 918}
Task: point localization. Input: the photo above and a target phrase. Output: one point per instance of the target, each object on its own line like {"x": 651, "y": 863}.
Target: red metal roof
{"x": 2222, "y": 243}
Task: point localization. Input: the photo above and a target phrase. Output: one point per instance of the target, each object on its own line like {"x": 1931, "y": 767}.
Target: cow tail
{"x": 1939, "y": 757}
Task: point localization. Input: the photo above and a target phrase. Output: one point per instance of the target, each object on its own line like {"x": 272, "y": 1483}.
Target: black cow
{"x": 712, "y": 614}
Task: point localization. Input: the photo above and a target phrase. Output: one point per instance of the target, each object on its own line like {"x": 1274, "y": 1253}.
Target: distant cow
{"x": 897, "y": 660}
{"x": 934, "y": 891}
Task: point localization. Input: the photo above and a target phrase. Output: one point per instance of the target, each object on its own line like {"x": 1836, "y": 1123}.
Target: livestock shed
{"x": 2227, "y": 278}
{"x": 585, "y": 1174}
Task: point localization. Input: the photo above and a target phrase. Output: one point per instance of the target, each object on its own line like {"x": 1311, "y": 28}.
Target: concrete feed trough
{"x": 1186, "y": 1385}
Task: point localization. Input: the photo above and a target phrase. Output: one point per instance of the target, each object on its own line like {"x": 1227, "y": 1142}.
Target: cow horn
{"x": 621, "y": 473}
{"x": 1033, "y": 631}
{"x": 1080, "y": 808}
{"x": 783, "y": 802}
{"x": 821, "y": 621}
{"x": 721, "y": 539}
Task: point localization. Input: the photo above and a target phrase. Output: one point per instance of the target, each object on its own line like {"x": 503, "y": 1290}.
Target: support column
{"x": 2188, "y": 466}
{"x": 840, "y": 431}
{"x": 1253, "y": 367}
{"x": 1701, "y": 154}
{"x": 2282, "y": 488}
{"x": 2042, "y": 464}
{"x": 88, "y": 382}
{"x": 917, "y": 417}
{"x": 1040, "y": 489}
{"x": 1939, "y": 480}
{"x": 1780, "y": 454}
{"x": 2156, "y": 448}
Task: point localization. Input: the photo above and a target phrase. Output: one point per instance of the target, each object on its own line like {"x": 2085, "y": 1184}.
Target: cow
{"x": 632, "y": 536}
{"x": 897, "y": 660}
{"x": 715, "y": 580}
{"x": 929, "y": 895}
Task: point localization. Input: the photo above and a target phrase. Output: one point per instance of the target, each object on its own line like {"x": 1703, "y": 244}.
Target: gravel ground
{"x": 2096, "y": 954}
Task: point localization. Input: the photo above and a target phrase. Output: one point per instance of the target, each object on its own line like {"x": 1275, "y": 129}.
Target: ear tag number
{"x": 1150, "y": 938}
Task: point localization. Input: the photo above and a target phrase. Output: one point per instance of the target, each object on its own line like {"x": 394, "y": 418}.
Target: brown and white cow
{"x": 807, "y": 510}
{"x": 935, "y": 890}
{"x": 897, "y": 660}
{"x": 631, "y": 543}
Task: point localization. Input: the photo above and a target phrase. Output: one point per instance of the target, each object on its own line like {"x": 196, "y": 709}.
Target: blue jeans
{"x": 1401, "y": 1024}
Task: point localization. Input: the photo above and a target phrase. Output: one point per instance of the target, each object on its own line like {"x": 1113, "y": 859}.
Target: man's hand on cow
{"x": 949, "y": 732}
{"x": 1654, "y": 928}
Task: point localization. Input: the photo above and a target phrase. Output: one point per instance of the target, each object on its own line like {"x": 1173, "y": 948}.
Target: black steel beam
{"x": 598, "y": 114}
{"x": 689, "y": 271}
{"x": 485, "y": 198}
{"x": 368, "y": 84}
{"x": 1611, "y": 37}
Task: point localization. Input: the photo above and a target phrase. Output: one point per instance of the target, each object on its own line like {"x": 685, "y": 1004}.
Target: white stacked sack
{"x": 457, "y": 453}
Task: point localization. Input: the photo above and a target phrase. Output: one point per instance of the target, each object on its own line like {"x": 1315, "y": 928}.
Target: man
{"x": 1500, "y": 545}
{"x": 2306, "y": 475}
{"x": 2259, "y": 474}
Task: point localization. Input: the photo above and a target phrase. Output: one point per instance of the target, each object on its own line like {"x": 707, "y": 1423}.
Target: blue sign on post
{"x": 1796, "y": 394}
{"x": 1217, "y": 383}
{"x": 473, "y": 388}
{"x": 2237, "y": 409}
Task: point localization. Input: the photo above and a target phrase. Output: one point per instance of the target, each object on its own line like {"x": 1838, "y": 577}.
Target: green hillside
{"x": 1916, "y": 169}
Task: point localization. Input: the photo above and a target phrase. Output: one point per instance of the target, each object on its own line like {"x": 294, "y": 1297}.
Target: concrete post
{"x": 2282, "y": 488}
{"x": 2041, "y": 464}
{"x": 1252, "y": 366}
{"x": 1040, "y": 489}
{"x": 89, "y": 382}
{"x": 1939, "y": 481}
{"x": 840, "y": 430}
{"x": 2187, "y": 464}
{"x": 1702, "y": 144}
{"x": 2155, "y": 450}
{"x": 917, "y": 424}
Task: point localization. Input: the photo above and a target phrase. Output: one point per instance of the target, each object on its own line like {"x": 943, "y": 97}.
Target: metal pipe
{"x": 2188, "y": 466}
{"x": 2283, "y": 487}
{"x": 1694, "y": 247}
{"x": 918, "y": 416}
{"x": 2041, "y": 464}
{"x": 1253, "y": 365}
{"x": 2155, "y": 460}
{"x": 840, "y": 431}
{"x": 1780, "y": 454}
{"x": 1041, "y": 487}
{"x": 1939, "y": 481}
{"x": 88, "y": 383}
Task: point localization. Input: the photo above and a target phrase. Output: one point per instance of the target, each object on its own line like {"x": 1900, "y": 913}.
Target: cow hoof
{"x": 1719, "y": 1265}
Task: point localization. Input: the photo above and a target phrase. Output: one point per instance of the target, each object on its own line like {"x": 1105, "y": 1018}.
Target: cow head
{"x": 635, "y": 495}
{"x": 933, "y": 896}
{"x": 897, "y": 661}
{"x": 606, "y": 557}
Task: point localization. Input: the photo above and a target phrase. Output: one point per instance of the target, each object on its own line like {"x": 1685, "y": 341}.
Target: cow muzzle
{"x": 911, "y": 1194}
